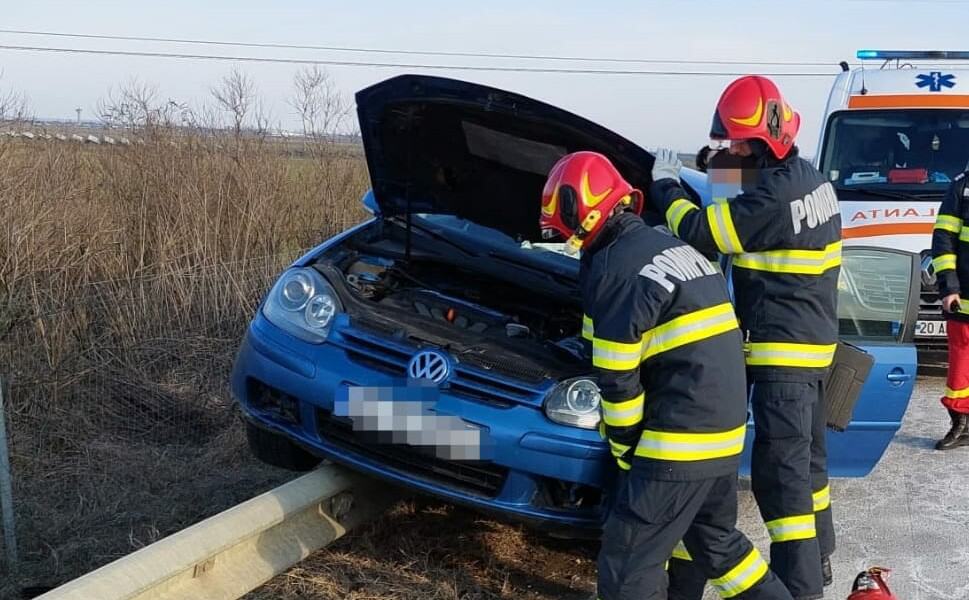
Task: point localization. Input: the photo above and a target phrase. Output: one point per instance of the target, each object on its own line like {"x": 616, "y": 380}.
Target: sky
{"x": 652, "y": 110}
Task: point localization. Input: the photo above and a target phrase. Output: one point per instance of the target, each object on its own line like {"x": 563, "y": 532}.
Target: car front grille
{"x": 390, "y": 356}
{"x": 930, "y": 307}
{"x": 481, "y": 478}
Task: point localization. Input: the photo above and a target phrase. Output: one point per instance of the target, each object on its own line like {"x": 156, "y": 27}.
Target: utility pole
{"x": 6, "y": 492}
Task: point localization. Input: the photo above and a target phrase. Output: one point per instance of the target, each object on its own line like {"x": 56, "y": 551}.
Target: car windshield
{"x": 913, "y": 151}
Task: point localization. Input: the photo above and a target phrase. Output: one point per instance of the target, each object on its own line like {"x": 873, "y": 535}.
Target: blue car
{"x": 438, "y": 344}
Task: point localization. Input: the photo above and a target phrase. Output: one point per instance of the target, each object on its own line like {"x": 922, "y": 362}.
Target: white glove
{"x": 667, "y": 165}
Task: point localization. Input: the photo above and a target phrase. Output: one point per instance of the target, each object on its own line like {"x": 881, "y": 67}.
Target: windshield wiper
{"x": 895, "y": 195}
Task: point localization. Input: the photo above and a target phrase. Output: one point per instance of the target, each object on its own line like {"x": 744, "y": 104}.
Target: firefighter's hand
{"x": 950, "y": 303}
{"x": 667, "y": 165}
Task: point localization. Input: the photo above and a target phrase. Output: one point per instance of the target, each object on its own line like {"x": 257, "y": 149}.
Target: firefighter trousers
{"x": 651, "y": 515}
{"x": 957, "y": 380}
{"x": 789, "y": 479}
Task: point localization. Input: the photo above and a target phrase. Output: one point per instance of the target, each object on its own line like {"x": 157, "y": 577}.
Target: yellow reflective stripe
{"x": 680, "y": 551}
{"x": 741, "y": 578}
{"x": 676, "y": 446}
{"x": 721, "y": 226}
{"x": 616, "y": 356}
{"x": 623, "y": 414}
{"x": 691, "y": 327}
{"x": 822, "y": 498}
{"x": 944, "y": 262}
{"x": 675, "y": 213}
{"x": 784, "y": 354}
{"x": 617, "y": 448}
{"x": 587, "y": 328}
{"x": 787, "y": 529}
{"x": 948, "y": 223}
{"x": 954, "y": 394}
{"x": 964, "y": 234}
{"x": 617, "y": 451}
{"x": 799, "y": 262}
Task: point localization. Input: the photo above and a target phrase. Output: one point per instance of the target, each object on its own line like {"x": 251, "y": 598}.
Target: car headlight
{"x": 303, "y": 304}
{"x": 575, "y": 402}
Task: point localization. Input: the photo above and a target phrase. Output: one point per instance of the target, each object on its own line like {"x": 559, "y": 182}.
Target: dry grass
{"x": 127, "y": 277}
{"x": 424, "y": 550}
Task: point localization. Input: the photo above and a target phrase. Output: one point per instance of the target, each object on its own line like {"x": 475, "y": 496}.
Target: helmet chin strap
{"x": 574, "y": 243}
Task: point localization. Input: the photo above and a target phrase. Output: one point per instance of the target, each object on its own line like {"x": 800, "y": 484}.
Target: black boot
{"x": 826, "y": 571}
{"x": 958, "y": 434}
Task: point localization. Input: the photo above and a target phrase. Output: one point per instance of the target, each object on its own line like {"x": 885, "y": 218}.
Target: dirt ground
{"x": 427, "y": 550}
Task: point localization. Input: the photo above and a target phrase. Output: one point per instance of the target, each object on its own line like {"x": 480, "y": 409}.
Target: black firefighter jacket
{"x": 784, "y": 239}
{"x": 950, "y": 245}
{"x": 667, "y": 351}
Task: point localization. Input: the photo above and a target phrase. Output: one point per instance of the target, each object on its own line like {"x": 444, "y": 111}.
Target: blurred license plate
{"x": 930, "y": 328}
{"x": 409, "y": 415}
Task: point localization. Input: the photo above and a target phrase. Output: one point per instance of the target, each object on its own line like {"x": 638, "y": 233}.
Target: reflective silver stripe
{"x": 723, "y": 231}
{"x": 752, "y": 569}
{"x": 664, "y": 445}
{"x": 787, "y": 354}
{"x": 662, "y": 340}
{"x": 616, "y": 355}
{"x": 803, "y": 262}
{"x": 786, "y": 529}
{"x": 676, "y": 212}
{"x": 948, "y": 223}
{"x": 688, "y": 446}
{"x": 619, "y": 415}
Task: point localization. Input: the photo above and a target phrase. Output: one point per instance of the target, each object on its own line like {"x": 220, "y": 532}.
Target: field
{"x": 127, "y": 277}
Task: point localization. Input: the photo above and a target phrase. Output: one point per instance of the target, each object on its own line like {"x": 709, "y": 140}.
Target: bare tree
{"x": 322, "y": 109}
{"x": 136, "y": 104}
{"x": 237, "y": 96}
{"x": 13, "y": 105}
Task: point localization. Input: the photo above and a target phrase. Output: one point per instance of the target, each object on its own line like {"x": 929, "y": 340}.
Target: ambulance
{"x": 893, "y": 138}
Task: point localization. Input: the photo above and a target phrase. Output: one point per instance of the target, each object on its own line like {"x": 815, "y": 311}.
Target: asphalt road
{"x": 911, "y": 514}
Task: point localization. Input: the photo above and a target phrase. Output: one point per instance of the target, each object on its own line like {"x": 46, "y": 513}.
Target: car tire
{"x": 275, "y": 450}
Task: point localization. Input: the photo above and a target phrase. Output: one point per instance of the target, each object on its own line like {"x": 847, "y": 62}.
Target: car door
{"x": 877, "y": 310}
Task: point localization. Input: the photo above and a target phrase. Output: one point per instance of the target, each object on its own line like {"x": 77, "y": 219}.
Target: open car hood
{"x": 437, "y": 145}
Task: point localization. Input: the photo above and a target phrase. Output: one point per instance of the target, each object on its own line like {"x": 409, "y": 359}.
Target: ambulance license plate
{"x": 930, "y": 328}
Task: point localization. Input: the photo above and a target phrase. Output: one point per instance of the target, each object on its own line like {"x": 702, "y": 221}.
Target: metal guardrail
{"x": 236, "y": 551}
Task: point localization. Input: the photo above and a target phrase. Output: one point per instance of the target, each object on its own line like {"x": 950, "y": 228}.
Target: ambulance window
{"x": 922, "y": 149}
{"x": 875, "y": 294}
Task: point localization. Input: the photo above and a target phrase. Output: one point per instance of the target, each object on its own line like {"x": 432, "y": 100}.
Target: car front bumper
{"x": 548, "y": 474}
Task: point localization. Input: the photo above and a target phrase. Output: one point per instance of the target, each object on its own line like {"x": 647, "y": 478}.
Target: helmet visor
{"x": 717, "y": 129}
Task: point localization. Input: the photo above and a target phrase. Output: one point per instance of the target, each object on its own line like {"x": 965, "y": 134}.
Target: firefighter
{"x": 950, "y": 257}
{"x": 783, "y": 234}
{"x": 668, "y": 355}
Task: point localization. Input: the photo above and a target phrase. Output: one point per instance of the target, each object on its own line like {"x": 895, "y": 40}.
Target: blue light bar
{"x": 913, "y": 55}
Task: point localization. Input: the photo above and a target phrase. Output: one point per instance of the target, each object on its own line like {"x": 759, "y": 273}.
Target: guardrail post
{"x": 6, "y": 491}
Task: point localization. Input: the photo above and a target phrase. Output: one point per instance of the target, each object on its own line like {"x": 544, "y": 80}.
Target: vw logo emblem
{"x": 430, "y": 365}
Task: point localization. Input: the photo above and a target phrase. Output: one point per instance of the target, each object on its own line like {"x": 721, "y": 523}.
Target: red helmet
{"x": 870, "y": 585}
{"x": 752, "y": 108}
{"x": 583, "y": 190}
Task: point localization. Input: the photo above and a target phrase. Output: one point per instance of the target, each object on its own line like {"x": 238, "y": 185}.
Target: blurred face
{"x": 730, "y": 173}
